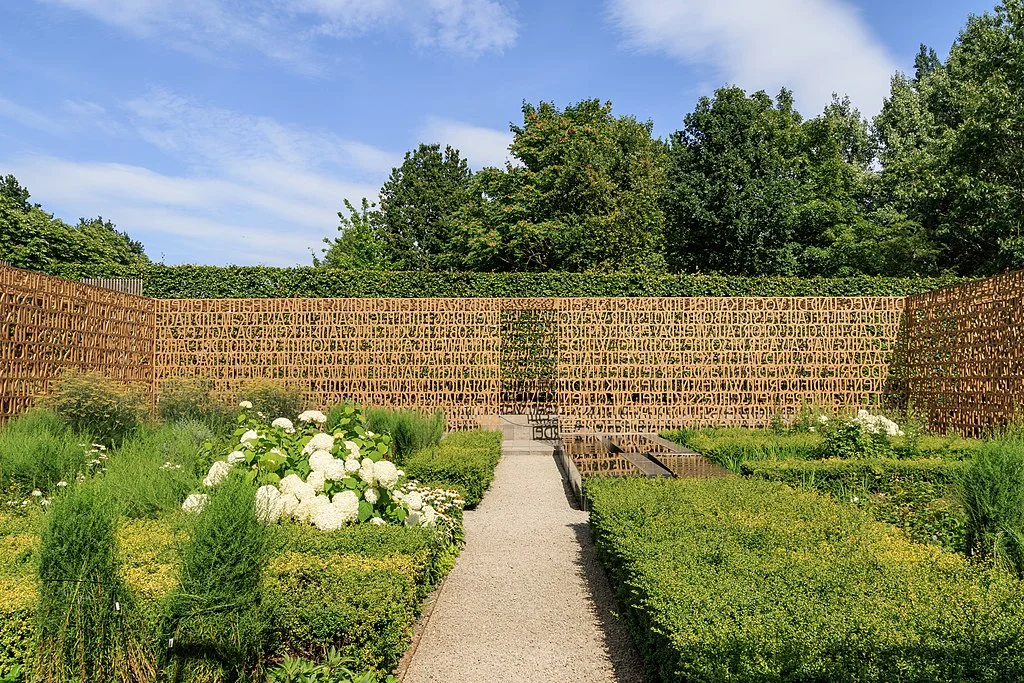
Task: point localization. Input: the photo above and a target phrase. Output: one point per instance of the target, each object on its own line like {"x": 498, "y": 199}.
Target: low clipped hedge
{"x": 216, "y": 282}
{"x": 358, "y": 589}
{"x": 762, "y": 583}
{"x": 841, "y": 477}
{"x": 464, "y": 460}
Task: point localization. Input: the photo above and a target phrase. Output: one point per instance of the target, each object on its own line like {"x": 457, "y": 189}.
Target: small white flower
{"x": 823, "y": 419}
{"x": 369, "y": 433}
{"x": 317, "y": 480}
{"x": 250, "y": 435}
{"x": 247, "y": 405}
{"x": 319, "y": 442}
{"x": 347, "y": 503}
{"x": 385, "y": 473}
{"x": 282, "y": 423}
{"x": 401, "y": 473}
{"x": 413, "y": 500}
{"x": 266, "y": 504}
{"x": 319, "y": 460}
{"x": 371, "y": 496}
{"x": 312, "y": 416}
{"x": 378, "y": 521}
{"x": 218, "y": 473}
{"x": 351, "y": 465}
{"x": 811, "y": 429}
{"x": 61, "y": 484}
{"x": 36, "y": 493}
{"x": 194, "y": 502}
{"x": 335, "y": 470}
{"x": 236, "y": 457}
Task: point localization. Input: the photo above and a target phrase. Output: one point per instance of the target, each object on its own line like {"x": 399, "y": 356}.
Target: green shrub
{"x": 219, "y": 616}
{"x": 93, "y": 404}
{"x": 218, "y": 282}
{"x": 364, "y": 607}
{"x": 88, "y": 628}
{"x": 992, "y": 490}
{"x": 410, "y": 430}
{"x": 38, "y": 450}
{"x": 760, "y": 583}
{"x": 273, "y": 398}
{"x": 182, "y": 399}
{"x": 152, "y": 472}
{"x": 732, "y": 446}
{"x": 467, "y": 468}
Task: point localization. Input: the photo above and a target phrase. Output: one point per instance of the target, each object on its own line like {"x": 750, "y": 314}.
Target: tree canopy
{"x": 32, "y": 238}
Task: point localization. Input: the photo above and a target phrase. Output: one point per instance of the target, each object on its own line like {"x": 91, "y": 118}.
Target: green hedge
{"x": 464, "y": 460}
{"x": 762, "y": 583}
{"x": 358, "y": 589}
{"x": 214, "y": 282}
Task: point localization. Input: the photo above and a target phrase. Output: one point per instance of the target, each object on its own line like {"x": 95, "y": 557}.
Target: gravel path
{"x": 527, "y": 600}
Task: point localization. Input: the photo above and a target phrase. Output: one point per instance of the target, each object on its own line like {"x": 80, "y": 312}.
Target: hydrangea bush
{"x": 864, "y": 436}
{"x": 327, "y": 475}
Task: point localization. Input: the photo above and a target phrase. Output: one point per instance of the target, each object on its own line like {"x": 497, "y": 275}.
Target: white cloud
{"x": 288, "y": 30}
{"x": 814, "y": 47}
{"x": 481, "y": 146}
{"x": 30, "y": 118}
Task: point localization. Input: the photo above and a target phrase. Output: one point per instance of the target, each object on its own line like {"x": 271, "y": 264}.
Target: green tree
{"x": 359, "y": 246}
{"x": 585, "y": 195}
{"x": 32, "y": 238}
{"x": 418, "y": 208}
{"x": 734, "y": 185}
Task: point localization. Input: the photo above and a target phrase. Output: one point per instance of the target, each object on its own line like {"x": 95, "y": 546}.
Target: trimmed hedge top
{"x": 231, "y": 282}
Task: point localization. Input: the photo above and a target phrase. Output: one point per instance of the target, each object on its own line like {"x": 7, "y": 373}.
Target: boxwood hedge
{"x": 463, "y": 460}
{"x": 740, "y": 580}
{"x": 215, "y": 282}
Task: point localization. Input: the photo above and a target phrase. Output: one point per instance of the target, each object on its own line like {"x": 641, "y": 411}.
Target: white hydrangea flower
{"x": 218, "y": 473}
{"x": 289, "y": 483}
{"x": 285, "y": 505}
{"x": 266, "y": 503}
{"x": 413, "y": 519}
{"x": 308, "y": 509}
{"x": 319, "y": 442}
{"x": 283, "y": 423}
{"x": 294, "y": 485}
{"x": 194, "y": 502}
{"x": 401, "y": 473}
{"x": 247, "y": 405}
{"x": 351, "y": 465}
{"x": 429, "y": 515}
{"x": 236, "y": 457}
{"x": 385, "y": 473}
{"x": 378, "y": 521}
{"x": 316, "y": 480}
{"x": 413, "y": 500}
{"x": 335, "y": 470}
{"x": 319, "y": 460}
{"x": 329, "y": 518}
{"x": 823, "y": 419}
{"x": 312, "y": 416}
{"x": 366, "y": 474}
{"x": 371, "y": 495}
{"x": 366, "y": 462}
{"x": 250, "y": 435}
{"x": 353, "y": 448}
{"x": 347, "y": 502}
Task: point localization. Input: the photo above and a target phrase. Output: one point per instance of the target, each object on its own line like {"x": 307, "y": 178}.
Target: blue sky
{"x": 230, "y": 131}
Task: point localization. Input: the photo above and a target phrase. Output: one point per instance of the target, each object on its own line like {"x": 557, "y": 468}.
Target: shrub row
{"x": 732, "y": 446}
{"x": 216, "y": 282}
{"x": 357, "y": 590}
{"x": 765, "y": 584}
{"x": 464, "y": 460}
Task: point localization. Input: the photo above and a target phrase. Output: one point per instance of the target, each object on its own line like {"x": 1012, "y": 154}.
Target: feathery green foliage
{"x": 37, "y": 450}
{"x": 992, "y": 490}
{"x": 94, "y": 404}
{"x": 410, "y": 430}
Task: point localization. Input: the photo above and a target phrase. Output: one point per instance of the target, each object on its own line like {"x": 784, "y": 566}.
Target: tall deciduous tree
{"x": 418, "y": 208}
{"x": 359, "y": 247}
{"x": 585, "y": 195}
{"x": 735, "y": 177}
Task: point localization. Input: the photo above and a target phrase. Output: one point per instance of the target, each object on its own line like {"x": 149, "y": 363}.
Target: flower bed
{"x": 766, "y": 584}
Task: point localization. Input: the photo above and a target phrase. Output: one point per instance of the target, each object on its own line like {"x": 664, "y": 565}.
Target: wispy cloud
{"x": 814, "y": 47}
{"x": 30, "y": 118}
{"x": 481, "y": 146}
{"x": 243, "y": 188}
{"x": 290, "y": 30}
